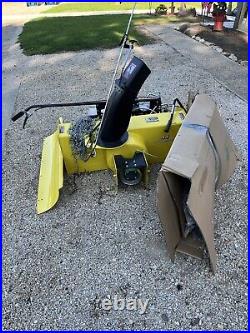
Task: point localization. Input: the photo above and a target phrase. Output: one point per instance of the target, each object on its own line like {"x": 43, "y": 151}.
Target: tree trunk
{"x": 172, "y": 7}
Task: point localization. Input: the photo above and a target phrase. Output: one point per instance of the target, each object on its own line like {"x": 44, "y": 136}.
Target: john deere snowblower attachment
{"x": 126, "y": 138}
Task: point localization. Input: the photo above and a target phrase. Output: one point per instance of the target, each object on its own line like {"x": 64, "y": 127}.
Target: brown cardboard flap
{"x": 167, "y": 203}
{"x": 204, "y": 156}
{"x": 204, "y": 113}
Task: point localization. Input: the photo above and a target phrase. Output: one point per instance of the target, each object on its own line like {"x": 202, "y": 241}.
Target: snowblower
{"x": 130, "y": 135}
{"x": 123, "y": 133}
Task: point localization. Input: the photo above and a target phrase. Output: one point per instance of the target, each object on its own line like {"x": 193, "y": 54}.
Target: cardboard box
{"x": 201, "y": 159}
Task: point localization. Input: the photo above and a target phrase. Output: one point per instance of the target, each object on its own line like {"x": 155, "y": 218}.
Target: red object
{"x": 218, "y": 22}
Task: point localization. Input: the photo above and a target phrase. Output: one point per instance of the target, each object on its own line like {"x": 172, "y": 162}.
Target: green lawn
{"x": 59, "y": 34}
{"x": 109, "y": 6}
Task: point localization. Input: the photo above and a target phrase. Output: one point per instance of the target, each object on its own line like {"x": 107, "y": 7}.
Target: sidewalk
{"x": 230, "y": 74}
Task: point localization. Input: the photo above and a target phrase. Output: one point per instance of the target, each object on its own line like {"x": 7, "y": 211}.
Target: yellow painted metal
{"x": 51, "y": 174}
{"x": 146, "y": 135}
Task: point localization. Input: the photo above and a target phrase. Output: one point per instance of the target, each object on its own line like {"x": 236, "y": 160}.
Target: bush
{"x": 161, "y": 10}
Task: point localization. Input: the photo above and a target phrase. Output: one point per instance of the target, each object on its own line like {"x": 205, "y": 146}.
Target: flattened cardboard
{"x": 201, "y": 159}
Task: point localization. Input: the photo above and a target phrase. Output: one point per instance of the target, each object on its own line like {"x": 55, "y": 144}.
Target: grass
{"x": 109, "y": 6}
{"x": 60, "y": 34}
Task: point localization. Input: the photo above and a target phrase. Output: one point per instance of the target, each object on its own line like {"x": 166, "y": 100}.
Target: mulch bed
{"x": 231, "y": 41}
